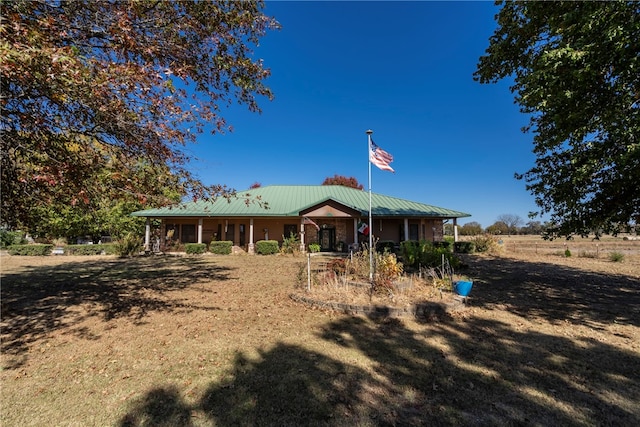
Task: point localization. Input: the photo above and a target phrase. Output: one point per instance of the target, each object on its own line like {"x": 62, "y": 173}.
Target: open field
{"x": 216, "y": 340}
{"x": 581, "y": 247}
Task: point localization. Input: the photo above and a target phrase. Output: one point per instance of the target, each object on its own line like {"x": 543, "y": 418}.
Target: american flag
{"x": 379, "y": 157}
{"x": 310, "y": 221}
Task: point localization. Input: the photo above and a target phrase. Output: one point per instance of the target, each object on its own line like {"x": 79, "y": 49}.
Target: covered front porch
{"x": 333, "y": 234}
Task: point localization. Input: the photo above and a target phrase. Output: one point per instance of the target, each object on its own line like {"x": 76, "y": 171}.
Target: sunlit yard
{"x": 217, "y": 340}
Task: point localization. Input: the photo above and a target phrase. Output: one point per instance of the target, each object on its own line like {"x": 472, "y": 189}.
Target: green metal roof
{"x": 290, "y": 200}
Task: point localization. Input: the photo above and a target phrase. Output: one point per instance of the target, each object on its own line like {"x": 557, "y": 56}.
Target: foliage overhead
{"x": 576, "y": 70}
{"x": 344, "y": 181}
{"x": 118, "y": 86}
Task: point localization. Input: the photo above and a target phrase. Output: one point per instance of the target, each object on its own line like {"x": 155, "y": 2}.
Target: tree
{"x": 512, "y": 221}
{"x": 498, "y": 227}
{"x": 576, "y": 71}
{"x": 66, "y": 216}
{"x": 472, "y": 228}
{"x": 112, "y": 85}
{"x": 344, "y": 181}
{"x": 533, "y": 227}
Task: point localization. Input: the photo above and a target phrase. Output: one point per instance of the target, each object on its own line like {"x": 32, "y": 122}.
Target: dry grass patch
{"x": 216, "y": 340}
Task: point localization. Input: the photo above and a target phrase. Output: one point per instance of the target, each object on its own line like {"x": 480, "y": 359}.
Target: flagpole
{"x": 369, "y": 132}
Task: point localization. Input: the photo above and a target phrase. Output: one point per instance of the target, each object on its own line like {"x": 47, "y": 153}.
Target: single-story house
{"x": 333, "y": 216}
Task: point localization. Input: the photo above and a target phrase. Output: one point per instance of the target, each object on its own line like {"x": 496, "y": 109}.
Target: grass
{"x": 216, "y": 340}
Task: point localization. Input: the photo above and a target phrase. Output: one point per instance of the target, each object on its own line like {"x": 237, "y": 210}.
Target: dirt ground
{"x": 216, "y": 340}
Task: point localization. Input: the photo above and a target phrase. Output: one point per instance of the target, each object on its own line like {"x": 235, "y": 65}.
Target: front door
{"x": 327, "y": 239}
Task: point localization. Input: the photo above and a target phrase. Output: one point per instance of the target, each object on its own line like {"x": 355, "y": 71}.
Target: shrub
{"x": 464, "y": 247}
{"x": 567, "y": 253}
{"x": 338, "y": 266}
{"x": 385, "y": 246}
{"x": 60, "y": 241}
{"x": 314, "y": 247}
{"x": 30, "y": 250}
{"x": 425, "y": 254}
{"x": 8, "y": 238}
{"x": 267, "y": 247}
{"x": 221, "y": 247}
{"x": 88, "y": 249}
{"x": 109, "y": 248}
{"x": 358, "y": 265}
{"x": 445, "y": 244}
{"x": 616, "y": 256}
{"x": 387, "y": 267}
{"x": 486, "y": 243}
{"x": 586, "y": 254}
{"x": 195, "y": 248}
{"x": 290, "y": 245}
{"x": 128, "y": 245}
{"x": 410, "y": 250}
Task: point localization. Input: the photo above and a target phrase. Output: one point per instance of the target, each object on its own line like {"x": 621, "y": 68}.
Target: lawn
{"x": 217, "y": 340}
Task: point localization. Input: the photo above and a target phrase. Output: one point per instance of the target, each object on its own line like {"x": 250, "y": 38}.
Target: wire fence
{"x": 584, "y": 247}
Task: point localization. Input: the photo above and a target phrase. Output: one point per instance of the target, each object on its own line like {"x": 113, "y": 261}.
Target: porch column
{"x": 355, "y": 230}
{"x": 455, "y": 229}
{"x": 199, "y": 230}
{"x": 302, "y": 247}
{"x": 251, "y": 245}
{"x": 406, "y": 229}
{"x": 147, "y": 234}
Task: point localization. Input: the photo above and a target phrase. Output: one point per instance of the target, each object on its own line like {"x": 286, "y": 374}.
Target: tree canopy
{"x": 118, "y": 88}
{"x": 472, "y": 228}
{"x": 576, "y": 70}
{"x": 344, "y": 181}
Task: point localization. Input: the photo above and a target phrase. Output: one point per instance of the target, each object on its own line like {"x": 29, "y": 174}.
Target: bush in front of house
{"x": 107, "y": 249}
{"x": 222, "y": 247}
{"x": 425, "y": 254}
{"x": 128, "y": 245}
{"x": 8, "y": 238}
{"x": 464, "y": 247}
{"x": 195, "y": 248}
{"x": 487, "y": 243}
{"x": 290, "y": 245}
{"x": 383, "y": 246}
{"x": 267, "y": 247}
{"x": 444, "y": 244}
{"x": 30, "y": 250}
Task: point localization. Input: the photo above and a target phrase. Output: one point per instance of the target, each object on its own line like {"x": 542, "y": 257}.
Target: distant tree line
{"x": 507, "y": 225}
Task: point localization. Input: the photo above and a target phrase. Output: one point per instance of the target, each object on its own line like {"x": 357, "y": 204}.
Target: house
{"x": 331, "y": 215}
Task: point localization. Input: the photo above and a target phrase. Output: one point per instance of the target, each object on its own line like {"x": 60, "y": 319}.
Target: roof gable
{"x": 330, "y": 208}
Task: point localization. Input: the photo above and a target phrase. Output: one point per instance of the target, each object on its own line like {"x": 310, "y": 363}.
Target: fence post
{"x": 309, "y": 272}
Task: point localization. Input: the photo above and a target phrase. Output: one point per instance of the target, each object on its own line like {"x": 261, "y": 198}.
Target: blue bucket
{"x": 462, "y": 287}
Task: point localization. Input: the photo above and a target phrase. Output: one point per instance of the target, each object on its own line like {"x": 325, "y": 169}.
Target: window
{"x": 242, "y": 234}
{"x": 413, "y": 232}
{"x": 172, "y": 232}
{"x": 188, "y": 234}
{"x": 290, "y": 229}
{"x": 230, "y": 233}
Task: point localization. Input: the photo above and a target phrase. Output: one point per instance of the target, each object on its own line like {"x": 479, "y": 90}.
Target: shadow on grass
{"x": 482, "y": 372}
{"x": 44, "y": 299}
{"x": 553, "y": 292}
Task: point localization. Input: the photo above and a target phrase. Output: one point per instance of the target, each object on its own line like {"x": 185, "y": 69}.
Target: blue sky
{"x": 401, "y": 69}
